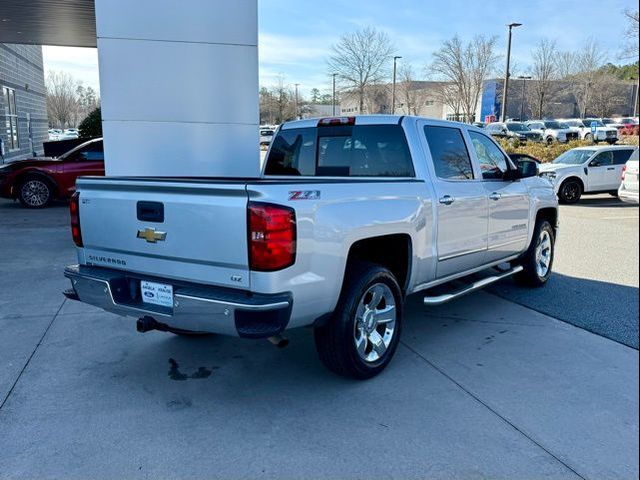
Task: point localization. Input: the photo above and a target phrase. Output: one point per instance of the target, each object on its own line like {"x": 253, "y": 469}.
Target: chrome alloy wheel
{"x": 35, "y": 193}
{"x": 375, "y": 322}
{"x": 543, "y": 254}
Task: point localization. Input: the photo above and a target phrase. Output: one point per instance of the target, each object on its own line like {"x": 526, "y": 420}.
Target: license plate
{"x": 156, "y": 293}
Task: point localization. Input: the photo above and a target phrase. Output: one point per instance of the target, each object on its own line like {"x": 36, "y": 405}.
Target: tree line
{"x": 68, "y": 101}
{"x": 362, "y": 63}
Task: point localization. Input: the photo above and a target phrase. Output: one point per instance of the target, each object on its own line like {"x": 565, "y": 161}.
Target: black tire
{"x": 570, "y": 191}
{"x": 588, "y": 137}
{"x": 336, "y": 340}
{"x": 531, "y": 275}
{"x": 550, "y": 140}
{"x": 35, "y": 192}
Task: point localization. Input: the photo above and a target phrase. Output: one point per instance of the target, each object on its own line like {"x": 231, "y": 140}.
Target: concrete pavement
{"x": 480, "y": 388}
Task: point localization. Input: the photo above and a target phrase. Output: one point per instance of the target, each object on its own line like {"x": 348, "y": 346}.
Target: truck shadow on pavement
{"x": 603, "y": 308}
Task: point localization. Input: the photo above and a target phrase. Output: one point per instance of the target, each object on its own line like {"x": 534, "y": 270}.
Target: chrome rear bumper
{"x": 198, "y": 308}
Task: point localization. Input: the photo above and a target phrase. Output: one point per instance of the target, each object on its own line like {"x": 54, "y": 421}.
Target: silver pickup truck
{"x": 349, "y": 216}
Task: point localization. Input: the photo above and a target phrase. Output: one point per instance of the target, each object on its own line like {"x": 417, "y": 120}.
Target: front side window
{"x": 92, "y": 153}
{"x": 603, "y": 159}
{"x": 493, "y": 163}
{"x": 451, "y": 159}
{"x": 11, "y": 118}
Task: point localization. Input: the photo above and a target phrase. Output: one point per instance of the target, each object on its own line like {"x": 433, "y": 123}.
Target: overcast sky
{"x": 296, "y": 37}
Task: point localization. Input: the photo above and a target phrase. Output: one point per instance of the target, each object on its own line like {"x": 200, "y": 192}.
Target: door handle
{"x": 447, "y": 200}
{"x": 495, "y": 196}
{"x": 611, "y": 168}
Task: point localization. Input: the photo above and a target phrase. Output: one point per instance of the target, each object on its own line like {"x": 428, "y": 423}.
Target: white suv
{"x": 584, "y": 128}
{"x": 553, "y": 131}
{"x": 587, "y": 170}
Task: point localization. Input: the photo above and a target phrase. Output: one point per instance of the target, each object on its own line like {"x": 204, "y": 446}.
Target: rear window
{"x": 342, "y": 151}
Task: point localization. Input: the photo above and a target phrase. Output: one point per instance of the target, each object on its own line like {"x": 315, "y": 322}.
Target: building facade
{"x": 23, "y": 105}
{"x": 564, "y": 100}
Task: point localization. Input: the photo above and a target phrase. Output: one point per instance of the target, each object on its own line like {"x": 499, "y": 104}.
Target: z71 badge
{"x": 304, "y": 195}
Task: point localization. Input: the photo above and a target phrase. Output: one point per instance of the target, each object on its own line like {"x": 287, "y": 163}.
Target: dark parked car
{"x": 37, "y": 181}
{"x": 513, "y": 131}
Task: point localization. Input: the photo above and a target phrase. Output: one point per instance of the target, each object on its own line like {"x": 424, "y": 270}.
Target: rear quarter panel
{"x": 327, "y": 228}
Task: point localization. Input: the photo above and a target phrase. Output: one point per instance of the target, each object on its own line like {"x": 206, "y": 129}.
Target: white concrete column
{"x": 179, "y": 86}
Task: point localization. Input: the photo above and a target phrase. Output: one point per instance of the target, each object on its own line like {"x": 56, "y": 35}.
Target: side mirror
{"x": 594, "y": 163}
{"x": 526, "y": 169}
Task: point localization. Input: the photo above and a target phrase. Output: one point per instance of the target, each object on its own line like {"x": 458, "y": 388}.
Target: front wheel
{"x": 570, "y": 191}
{"x": 363, "y": 333}
{"x": 538, "y": 259}
{"x": 588, "y": 137}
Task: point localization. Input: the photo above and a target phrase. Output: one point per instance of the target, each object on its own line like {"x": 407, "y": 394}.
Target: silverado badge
{"x": 151, "y": 236}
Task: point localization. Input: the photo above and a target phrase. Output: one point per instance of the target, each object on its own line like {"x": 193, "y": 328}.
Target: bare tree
{"x": 411, "y": 97}
{"x": 361, "y": 59}
{"x": 631, "y": 34}
{"x": 544, "y": 71}
{"x": 465, "y": 67}
{"x": 606, "y": 94}
{"x": 62, "y": 100}
{"x": 581, "y": 72}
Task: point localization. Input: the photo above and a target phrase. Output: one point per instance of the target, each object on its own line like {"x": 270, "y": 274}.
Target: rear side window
{"x": 451, "y": 159}
{"x": 620, "y": 157}
{"x": 292, "y": 153}
{"x": 344, "y": 151}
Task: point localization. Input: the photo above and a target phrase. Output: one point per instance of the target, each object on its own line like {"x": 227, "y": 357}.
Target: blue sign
{"x": 594, "y": 127}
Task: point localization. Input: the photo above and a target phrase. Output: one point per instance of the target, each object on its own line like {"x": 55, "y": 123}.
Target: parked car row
{"x": 625, "y": 125}
{"x": 551, "y": 131}
{"x": 66, "y": 134}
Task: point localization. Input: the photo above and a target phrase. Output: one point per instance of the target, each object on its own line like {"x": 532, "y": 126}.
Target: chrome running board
{"x": 447, "y": 297}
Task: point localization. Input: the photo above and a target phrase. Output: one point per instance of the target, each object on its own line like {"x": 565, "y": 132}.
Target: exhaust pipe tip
{"x": 279, "y": 341}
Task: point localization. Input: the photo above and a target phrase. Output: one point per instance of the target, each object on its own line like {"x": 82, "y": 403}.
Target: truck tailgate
{"x": 176, "y": 229}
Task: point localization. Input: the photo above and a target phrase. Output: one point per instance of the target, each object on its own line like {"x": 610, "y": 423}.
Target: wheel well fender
{"x": 36, "y": 173}
{"x": 578, "y": 179}
{"x": 392, "y": 251}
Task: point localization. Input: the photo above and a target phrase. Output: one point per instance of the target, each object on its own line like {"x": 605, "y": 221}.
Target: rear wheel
{"x": 363, "y": 333}
{"x": 570, "y": 191}
{"x": 35, "y": 192}
{"x": 538, "y": 259}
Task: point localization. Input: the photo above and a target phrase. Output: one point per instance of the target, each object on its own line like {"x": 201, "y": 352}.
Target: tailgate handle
{"x": 150, "y": 211}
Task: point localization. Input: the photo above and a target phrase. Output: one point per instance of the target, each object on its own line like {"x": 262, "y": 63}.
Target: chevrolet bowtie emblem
{"x": 151, "y": 236}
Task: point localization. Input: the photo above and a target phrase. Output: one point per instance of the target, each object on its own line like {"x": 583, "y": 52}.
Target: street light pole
{"x": 505, "y": 91}
{"x": 296, "y": 102}
{"x": 635, "y": 104}
{"x": 393, "y": 89}
{"x": 334, "y": 94}
{"x": 524, "y": 86}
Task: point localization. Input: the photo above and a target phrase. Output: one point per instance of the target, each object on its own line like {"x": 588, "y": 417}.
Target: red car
{"x": 37, "y": 181}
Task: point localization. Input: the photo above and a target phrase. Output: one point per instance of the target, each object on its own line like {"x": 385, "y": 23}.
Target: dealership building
{"x": 23, "y": 106}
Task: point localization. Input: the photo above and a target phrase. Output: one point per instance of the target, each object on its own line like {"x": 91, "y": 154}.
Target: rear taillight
{"x": 272, "y": 236}
{"x": 74, "y": 209}
{"x": 624, "y": 171}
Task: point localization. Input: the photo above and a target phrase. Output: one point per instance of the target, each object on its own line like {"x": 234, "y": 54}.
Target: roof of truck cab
{"x": 374, "y": 120}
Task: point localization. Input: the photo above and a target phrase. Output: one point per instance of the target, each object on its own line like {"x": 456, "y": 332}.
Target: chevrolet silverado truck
{"x": 349, "y": 216}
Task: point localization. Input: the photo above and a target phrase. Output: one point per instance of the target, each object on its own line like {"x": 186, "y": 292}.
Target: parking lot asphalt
{"x": 595, "y": 280}
{"x": 483, "y": 387}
